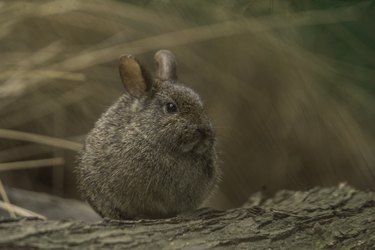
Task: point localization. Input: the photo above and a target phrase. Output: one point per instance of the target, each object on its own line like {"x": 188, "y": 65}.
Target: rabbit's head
{"x": 168, "y": 114}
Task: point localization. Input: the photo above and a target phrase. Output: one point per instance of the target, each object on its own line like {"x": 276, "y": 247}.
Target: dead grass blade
{"x": 31, "y": 164}
{"x": 17, "y": 81}
{"x": 22, "y": 152}
{"x": 42, "y": 139}
{"x": 48, "y": 74}
{"x": 45, "y": 107}
{"x": 5, "y": 198}
{"x": 21, "y": 211}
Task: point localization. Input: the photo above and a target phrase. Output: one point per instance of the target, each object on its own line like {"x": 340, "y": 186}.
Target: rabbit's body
{"x": 142, "y": 160}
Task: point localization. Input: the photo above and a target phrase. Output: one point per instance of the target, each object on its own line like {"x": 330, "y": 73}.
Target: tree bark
{"x": 321, "y": 218}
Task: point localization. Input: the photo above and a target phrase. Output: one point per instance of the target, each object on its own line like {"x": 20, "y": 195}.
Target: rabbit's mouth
{"x": 200, "y": 143}
{"x": 189, "y": 146}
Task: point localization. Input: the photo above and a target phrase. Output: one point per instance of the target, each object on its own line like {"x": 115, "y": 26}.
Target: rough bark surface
{"x": 339, "y": 217}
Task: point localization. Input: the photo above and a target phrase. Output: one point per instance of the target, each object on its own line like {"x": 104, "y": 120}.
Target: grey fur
{"x": 140, "y": 161}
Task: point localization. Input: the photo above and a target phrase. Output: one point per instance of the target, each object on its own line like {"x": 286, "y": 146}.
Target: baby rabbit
{"x": 151, "y": 154}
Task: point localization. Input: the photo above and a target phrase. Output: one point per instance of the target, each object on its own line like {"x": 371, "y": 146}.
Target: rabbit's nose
{"x": 204, "y": 132}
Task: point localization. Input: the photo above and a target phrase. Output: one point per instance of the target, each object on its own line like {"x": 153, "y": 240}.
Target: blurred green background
{"x": 289, "y": 85}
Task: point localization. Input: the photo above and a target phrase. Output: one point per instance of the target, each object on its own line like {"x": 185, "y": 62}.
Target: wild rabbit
{"x": 151, "y": 154}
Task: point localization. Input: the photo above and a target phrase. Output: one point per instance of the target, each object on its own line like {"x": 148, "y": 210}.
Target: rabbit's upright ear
{"x": 166, "y": 66}
{"x": 134, "y": 77}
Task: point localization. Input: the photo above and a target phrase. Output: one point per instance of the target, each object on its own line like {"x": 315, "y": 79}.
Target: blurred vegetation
{"x": 289, "y": 85}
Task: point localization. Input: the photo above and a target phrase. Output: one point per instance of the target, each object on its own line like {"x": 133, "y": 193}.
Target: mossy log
{"x": 338, "y": 217}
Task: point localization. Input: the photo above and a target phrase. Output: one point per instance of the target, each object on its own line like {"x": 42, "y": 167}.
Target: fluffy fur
{"x": 140, "y": 161}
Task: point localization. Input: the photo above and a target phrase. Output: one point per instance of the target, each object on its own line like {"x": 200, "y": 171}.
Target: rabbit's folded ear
{"x": 166, "y": 66}
{"x": 134, "y": 77}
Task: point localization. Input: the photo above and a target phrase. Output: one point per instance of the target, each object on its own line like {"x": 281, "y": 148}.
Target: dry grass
{"x": 16, "y": 165}
{"x": 20, "y": 211}
{"x": 287, "y": 116}
{"x": 50, "y": 141}
{"x": 7, "y": 206}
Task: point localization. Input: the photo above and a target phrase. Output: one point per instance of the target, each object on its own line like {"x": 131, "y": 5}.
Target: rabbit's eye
{"x": 171, "y": 107}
